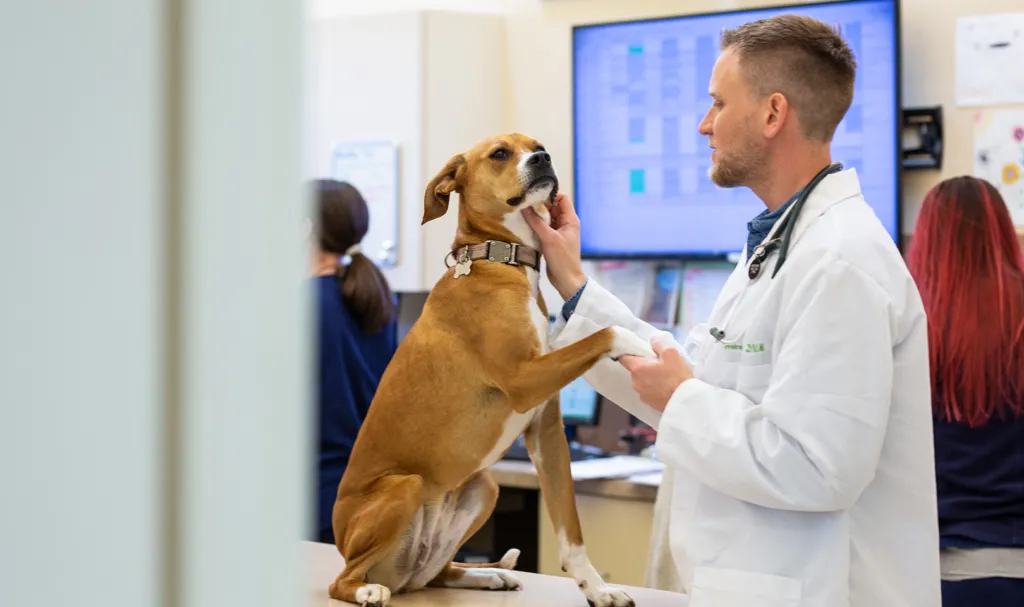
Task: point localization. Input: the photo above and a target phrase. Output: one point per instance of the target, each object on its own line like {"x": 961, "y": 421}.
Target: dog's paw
{"x": 510, "y": 559}
{"x": 627, "y": 342}
{"x": 610, "y": 597}
{"x": 499, "y": 579}
{"x": 373, "y": 595}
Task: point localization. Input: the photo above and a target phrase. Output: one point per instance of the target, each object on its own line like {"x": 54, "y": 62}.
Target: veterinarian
{"x": 356, "y": 336}
{"x": 795, "y": 425}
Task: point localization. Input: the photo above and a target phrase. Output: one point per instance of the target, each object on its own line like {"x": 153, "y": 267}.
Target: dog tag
{"x": 463, "y": 266}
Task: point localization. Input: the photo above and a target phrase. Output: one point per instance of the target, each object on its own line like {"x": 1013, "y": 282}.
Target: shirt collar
{"x": 759, "y": 226}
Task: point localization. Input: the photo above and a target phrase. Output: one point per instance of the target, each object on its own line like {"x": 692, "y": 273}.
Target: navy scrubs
{"x": 349, "y": 369}
{"x": 980, "y": 476}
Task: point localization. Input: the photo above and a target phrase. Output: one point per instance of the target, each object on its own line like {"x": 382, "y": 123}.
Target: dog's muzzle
{"x": 540, "y": 173}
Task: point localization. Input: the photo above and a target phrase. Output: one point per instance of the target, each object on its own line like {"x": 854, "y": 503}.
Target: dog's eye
{"x": 499, "y": 154}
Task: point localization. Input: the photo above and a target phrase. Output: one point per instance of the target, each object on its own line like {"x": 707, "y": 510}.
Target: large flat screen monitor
{"x": 640, "y": 89}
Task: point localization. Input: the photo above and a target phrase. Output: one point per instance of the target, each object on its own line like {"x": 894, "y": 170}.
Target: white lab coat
{"x": 800, "y": 460}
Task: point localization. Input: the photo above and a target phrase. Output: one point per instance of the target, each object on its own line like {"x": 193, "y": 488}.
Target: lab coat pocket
{"x": 714, "y": 587}
{"x": 752, "y": 380}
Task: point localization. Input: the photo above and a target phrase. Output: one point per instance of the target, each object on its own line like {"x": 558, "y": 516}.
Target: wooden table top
{"x": 538, "y": 590}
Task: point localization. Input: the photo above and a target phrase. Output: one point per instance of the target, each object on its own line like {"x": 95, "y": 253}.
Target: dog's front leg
{"x": 545, "y": 440}
{"x": 539, "y": 378}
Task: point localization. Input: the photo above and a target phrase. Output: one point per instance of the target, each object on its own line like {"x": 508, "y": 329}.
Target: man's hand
{"x": 656, "y": 380}
{"x": 560, "y": 244}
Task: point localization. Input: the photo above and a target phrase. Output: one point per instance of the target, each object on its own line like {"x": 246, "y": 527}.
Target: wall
{"x": 390, "y": 80}
{"x": 539, "y": 55}
{"x": 406, "y": 77}
{"x": 319, "y": 9}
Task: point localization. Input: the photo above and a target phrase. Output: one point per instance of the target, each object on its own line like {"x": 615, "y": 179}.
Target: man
{"x": 795, "y": 426}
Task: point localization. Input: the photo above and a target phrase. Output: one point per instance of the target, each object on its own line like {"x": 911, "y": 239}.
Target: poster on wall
{"x": 999, "y": 155}
{"x": 372, "y": 168}
{"x": 989, "y": 53}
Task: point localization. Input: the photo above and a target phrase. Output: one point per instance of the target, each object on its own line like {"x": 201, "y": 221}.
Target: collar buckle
{"x": 513, "y": 252}
{"x": 502, "y": 252}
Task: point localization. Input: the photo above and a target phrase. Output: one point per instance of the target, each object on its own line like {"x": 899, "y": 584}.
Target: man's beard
{"x": 740, "y": 168}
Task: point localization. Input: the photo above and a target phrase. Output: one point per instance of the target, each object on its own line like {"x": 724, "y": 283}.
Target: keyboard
{"x": 577, "y": 452}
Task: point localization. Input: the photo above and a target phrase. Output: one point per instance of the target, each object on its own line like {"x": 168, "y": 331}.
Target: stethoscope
{"x": 771, "y": 244}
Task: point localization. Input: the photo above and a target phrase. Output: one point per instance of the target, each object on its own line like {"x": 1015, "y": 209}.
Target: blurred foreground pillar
{"x": 154, "y": 435}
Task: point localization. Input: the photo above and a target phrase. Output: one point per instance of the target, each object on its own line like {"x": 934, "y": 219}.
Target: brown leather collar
{"x": 509, "y": 253}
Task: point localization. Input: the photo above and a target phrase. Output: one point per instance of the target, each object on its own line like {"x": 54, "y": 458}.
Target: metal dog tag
{"x": 463, "y": 266}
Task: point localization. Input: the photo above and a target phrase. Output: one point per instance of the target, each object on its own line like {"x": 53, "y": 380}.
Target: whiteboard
{"x": 372, "y": 168}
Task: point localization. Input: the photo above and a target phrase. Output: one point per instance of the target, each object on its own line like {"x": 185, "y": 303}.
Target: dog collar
{"x": 509, "y": 253}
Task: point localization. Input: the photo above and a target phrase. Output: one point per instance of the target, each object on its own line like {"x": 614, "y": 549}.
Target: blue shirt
{"x": 757, "y": 230}
{"x": 758, "y": 227}
{"x": 350, "y": 364}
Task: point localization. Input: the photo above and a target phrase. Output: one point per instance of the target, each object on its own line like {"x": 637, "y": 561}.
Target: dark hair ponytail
{"x": 342, "y": 222}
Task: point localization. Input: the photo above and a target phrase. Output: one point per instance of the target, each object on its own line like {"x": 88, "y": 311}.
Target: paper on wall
{"x": 989, "y": 56}
{"x": 372, "y": 168}
{"x": 630, "y": 281}
{"x": 999, "y": 155}
{"x": 702, "y": 283}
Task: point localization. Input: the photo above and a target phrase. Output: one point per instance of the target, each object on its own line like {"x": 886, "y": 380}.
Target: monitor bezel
{"x": 730, "y": 255}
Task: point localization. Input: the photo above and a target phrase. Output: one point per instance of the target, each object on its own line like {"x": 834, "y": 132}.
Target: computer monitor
{"x": 581, "y": 404}
{"x": 640, "y": 89}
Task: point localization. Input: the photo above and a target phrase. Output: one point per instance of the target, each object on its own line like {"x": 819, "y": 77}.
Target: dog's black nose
{"x": 539, "y": 158}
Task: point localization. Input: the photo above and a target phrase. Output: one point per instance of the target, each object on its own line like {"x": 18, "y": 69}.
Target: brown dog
{"x": 473, "y": 374}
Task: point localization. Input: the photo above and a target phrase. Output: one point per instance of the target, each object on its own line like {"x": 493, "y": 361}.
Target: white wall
{"x": 430, "y": 81}
{"x": 319, "y": 9}
{"x": 367, "y": 84}
{"x": 153, "y": 329}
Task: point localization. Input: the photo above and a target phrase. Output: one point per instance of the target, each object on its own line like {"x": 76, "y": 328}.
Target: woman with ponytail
{"x": 357, "y": 333}
{"x": 969, "y": 268}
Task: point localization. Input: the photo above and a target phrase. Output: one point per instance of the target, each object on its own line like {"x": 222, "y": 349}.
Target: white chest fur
{"x": 515, "y": 223}
{"x": 516, "y": 423}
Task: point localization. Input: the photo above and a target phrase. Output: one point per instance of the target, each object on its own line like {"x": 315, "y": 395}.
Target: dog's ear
{"x": 440, "y": 188}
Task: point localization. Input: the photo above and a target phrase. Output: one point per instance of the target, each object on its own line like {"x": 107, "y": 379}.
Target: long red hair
{"x": 969, "y": 268}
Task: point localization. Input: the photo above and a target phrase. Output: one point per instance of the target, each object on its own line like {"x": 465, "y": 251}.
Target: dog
{"x": 473, "y": 374}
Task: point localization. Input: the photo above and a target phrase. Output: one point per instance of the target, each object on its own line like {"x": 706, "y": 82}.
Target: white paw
{"x": 628, "y": 342}
{"x": 607, "y": 596}
{"x": 510, "y": 559}
{"x": 373, "y": 595}
{"x": 503, "y": 580}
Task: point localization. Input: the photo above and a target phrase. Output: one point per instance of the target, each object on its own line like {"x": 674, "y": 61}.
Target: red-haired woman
{"x": 969, "y": 269}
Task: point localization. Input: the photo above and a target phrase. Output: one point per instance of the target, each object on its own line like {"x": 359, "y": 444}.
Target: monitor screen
{"x": 640, "y": 90}
{"x": 579, "y": 401}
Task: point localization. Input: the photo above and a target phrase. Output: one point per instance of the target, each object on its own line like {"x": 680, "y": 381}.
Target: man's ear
{"x": 440, "y": 188}
{"x": 778, "y": 112}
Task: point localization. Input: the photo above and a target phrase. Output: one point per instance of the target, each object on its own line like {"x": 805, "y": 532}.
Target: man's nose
{"x": 704, "y": 128}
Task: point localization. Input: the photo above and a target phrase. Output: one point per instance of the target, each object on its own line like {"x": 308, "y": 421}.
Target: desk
{"x": 616, "y": 517}
{"x": 538, "y": 590}
{"x": 522, "y": 475}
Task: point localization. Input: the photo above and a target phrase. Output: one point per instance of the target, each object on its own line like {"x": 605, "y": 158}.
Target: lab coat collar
{"x": 832, "y": 190}
{"x": 829, "y": 192}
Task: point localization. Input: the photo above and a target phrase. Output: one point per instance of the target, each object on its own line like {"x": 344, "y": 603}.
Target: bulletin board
{"x": 999, "y": 155}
